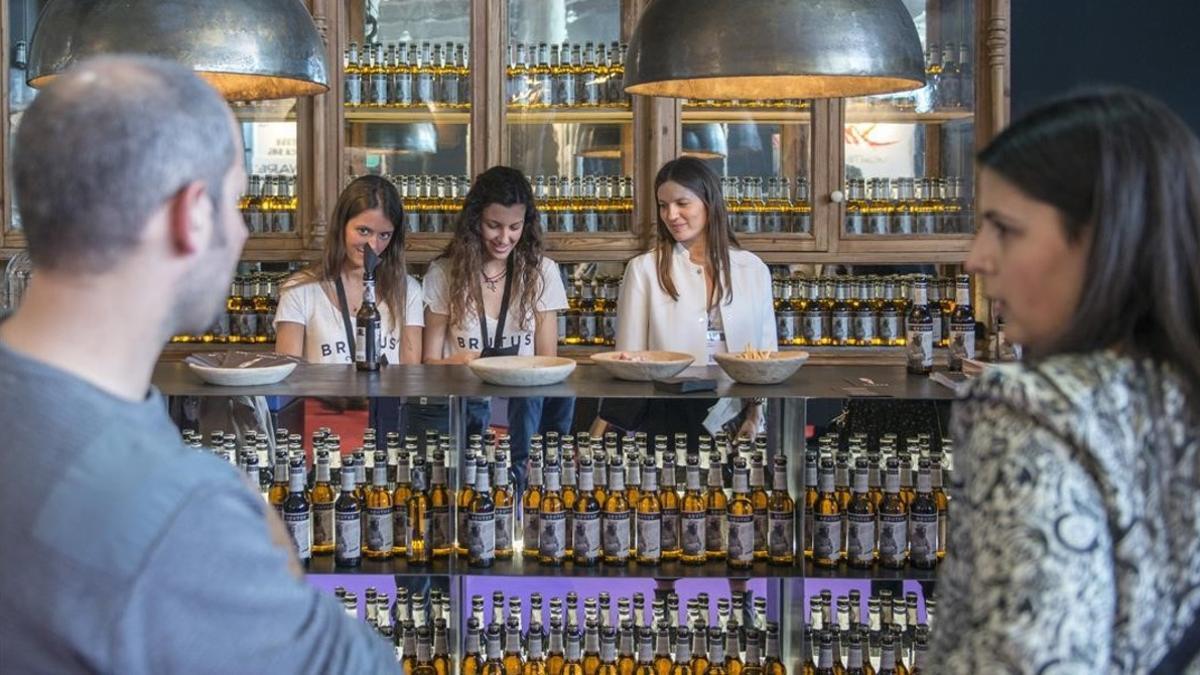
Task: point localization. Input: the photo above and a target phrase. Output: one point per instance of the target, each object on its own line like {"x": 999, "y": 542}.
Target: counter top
{"x": 811, "y": 381}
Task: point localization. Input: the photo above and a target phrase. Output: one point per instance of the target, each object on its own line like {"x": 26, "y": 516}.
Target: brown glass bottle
{"x": 923, "y": 522}
{"x": 827, "y": 520}
{"x": 811, "y": 482}
{"x": 572, "y": 664}
{"x": 536, "y": 663}
{"x": 418, "y": 542}
{"x": 633, "y": 497}
{"x": 740, "y": 521}
{"x": 494, "y": 665}
{"x": 442, "y": 665}
{"x": 716, "y": 504}
{"x": 626, "y": 657}
{"x": 588, "y": 548}
{"x": 733, "y": 661}
{"x": 608, "y": 653}
{"x": 513, "y": 663}
{"x": 615, "y": 521}
{"x": 662, "y": 652}
{"x": 531, "y": 505}
{"x": 441, "y": 498}
{"x": 893, "y": 521}
{"x": 379, "y": 513}
{"x": 753, "y": 664}
{"x": 692, "y": 518}
{"x": 645, "y": 659}
{"x": 472, "y": 663}
{"x": 761, "y": 501}
{"x": 942, "y": 501}
{"x": 773, "y": 663}
{"x": 670, "y": 503}
{"x": 323, "y": 500}
{"x": 502, "y": 499}
{"x": 424, "y": 661}
{"x": 860, "y": 517}
{"x": 400, "y": 497}
{"x": 649, "y": 518}
{"x": 591, "y": 648}
{"x": 716, "y": 652}
{"x": 552, "y": 521}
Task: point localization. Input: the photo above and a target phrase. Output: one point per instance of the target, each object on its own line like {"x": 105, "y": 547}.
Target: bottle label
{"x": 841, "y": 326}
{"x": 808, "y": 529}
{"x": 649, "y": 536}
{"x": 741, "y": 538}
{"x": 827, "y": 536}
{"x": 299, "y": 525}
{"x": 854, "y": 223}
{"x": 570, "y": 528}
{"x": 879, "y": 223}
{"x": 551, "y": 536}
{"x": 760, "y": 529}
{"x": 379, "y": 529}
{"x": 920, "y": 343}
{"x": 785, "y": 326}
{"x": 692, "y": 531}
{"x": 461, "y": 518}
{"x": 587, "y": 326}
{"x": 860, "y": 544}
{"x": 779, "y": 537}
{"x": 379, "y": 89}
{"x": 353, "y": 89}
{"x": 893, "y": 538}
{"x": 587, "y": 537}
{"x": 481, "y": 536}
{"x": 609, "y": 328}
{"x": 670, "y": 530}
{"x": 504, "y": 527}
{"x": 889, "y": 326}
{"x": 922, "y": 538}
{"x": 322, "y": 524}
{"x": 962, "y": 340}
{"x": 715, "y": 530}
{"x": 400, "y": 531}
{"x": 368, "y": 335}
{"x": 616, "y": 534}
{"x": 349, "y": 536}
{"x": 813, "y": 325}
{"x": 439, "y": 526}
{"x": 864, "y": 327}
{"x": 529, "y": 530}
{"x": 903, "y": 223}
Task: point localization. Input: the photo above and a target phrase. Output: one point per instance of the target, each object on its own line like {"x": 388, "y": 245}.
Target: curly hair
{"x": 504, "y": 186}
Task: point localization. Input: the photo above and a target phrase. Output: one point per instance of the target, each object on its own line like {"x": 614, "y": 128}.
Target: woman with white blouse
{"x": 494, "y": 268}
{"x": 698, "y": 292}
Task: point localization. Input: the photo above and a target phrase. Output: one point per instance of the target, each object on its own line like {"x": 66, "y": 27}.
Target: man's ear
{"x": 190, "y": 219}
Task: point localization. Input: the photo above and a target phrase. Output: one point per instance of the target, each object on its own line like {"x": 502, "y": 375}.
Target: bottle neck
{"x": 693, "y": 478}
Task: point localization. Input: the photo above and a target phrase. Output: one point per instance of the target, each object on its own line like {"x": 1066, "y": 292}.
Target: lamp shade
{"x": 774, "y": 49}
{"x": 704, "y": 141}
{"x": 247, "y": 49}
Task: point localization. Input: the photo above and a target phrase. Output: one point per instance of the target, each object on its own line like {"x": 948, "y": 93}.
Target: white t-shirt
{"x": 466, "y": 338}
{"x": 324, "y": 332}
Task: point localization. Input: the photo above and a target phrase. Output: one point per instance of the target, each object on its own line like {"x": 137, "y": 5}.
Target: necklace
{"x": 491, "y": 281}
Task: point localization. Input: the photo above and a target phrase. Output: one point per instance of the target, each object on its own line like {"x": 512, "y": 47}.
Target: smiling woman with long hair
{"x": 1075, "y": 532}
{"x": 309, "y": 319}
{"x": 494, "y": 268}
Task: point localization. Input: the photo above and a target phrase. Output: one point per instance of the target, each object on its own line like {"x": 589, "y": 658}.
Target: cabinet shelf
{"x": 875, "y": 573}
{"x": 786, "y": 116}
{"x": 569, "y": 115}
{"x": 396, "y": 566}
{"x": 672, "y": 569}
{"x": 366, "y": 114}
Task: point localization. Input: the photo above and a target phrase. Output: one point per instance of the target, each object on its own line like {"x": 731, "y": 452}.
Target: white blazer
{"x": 648, "y": 319}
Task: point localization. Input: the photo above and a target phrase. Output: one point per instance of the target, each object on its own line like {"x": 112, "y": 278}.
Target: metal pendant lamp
{"x": 774, "y": 49}
{"x": 247, "y": 49}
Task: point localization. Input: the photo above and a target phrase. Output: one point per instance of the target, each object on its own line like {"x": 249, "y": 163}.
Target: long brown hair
{"x": 507, "y": 187}
{"x": 363, "y": 194}
{"x": 1123, "y": 166}
{"x": 696, "y": 177}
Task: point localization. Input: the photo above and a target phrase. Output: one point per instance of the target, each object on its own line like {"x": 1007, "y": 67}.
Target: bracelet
{"x": 758, "y": 402}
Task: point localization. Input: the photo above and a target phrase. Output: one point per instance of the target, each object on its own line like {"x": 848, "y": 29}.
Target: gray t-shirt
{"x": 127, "y": 552}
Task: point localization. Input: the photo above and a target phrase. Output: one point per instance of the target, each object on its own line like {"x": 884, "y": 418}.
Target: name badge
{"x": 716, "y": 345}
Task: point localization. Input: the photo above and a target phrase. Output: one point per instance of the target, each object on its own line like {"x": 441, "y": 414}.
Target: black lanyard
{"x": 495, "y": 349}
{"x": 348, "y": 324}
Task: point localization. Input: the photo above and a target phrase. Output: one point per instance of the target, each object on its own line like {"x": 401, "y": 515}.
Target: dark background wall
{"x": 1152, "y": 45}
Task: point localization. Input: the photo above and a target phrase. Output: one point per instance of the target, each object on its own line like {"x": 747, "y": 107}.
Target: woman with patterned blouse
{"x": 1075, "y": 538}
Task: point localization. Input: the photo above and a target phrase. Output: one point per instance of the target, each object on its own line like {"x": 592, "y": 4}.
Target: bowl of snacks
{"x": 241, "y": 368}
{"x": 643, "y": 366}
{"x": 759, "y": 366}
{"x": 522, "y": 371}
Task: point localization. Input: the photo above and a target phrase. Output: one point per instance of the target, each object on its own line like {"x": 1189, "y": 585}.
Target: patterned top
{"x": 1075, "y": 526}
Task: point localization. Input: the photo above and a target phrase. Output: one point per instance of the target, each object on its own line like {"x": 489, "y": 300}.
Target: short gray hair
{"x": 104, "y": 145}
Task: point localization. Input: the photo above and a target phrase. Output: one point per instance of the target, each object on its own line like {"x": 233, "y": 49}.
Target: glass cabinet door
{"x": 908, "y": 170}
{"x": 569, "y": 127}
{"x": 22, "y": 17}
{"x": 269, "y": 134}
{"x": 763, "y": 152}
{"x": 406, "y": 102}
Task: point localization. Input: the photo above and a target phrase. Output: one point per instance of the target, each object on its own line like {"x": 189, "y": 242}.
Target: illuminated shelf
{"x": 569, "y": 115}
{"x": 406, "y": 115}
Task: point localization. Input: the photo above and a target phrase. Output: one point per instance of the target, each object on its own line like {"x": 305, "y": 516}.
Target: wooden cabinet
{"x": 437, "y": 142}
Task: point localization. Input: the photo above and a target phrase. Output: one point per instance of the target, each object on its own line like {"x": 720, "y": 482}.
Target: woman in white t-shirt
{"x": 494, "y": 267}
{"x": 698, "y": 292}
{"x": 311, "y": 322}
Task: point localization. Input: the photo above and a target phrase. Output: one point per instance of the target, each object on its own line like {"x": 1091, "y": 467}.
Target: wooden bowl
{"x": 778, "y": 367}
{"x": 649, "y": 366}
{"x": 522, "y": 371}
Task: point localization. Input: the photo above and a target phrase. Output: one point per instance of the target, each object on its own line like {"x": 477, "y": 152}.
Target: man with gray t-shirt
{"x": 125, "y": 551}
